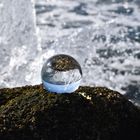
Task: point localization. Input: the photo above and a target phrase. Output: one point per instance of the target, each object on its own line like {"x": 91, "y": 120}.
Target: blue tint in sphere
{"x": 61, "y": 74}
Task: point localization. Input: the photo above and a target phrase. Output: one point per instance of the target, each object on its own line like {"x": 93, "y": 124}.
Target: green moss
{"x": 90, "y": 113}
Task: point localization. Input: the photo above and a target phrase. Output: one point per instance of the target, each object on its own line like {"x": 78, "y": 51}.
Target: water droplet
{"x": 61, "y": 74}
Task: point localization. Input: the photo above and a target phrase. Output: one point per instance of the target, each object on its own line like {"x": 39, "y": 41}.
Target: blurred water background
{"x": 103, "y": 35}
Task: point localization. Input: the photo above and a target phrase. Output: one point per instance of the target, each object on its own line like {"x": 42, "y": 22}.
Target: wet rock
{"x": 80, "y": 9}
{"x": 123, "y": 10}
{"x": 40, "y": 8}
{"x": 90, "y": 113}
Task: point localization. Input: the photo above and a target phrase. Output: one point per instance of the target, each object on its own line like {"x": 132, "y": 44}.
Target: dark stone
{"x": 123, "y": 10}
{"x": 90, "y": 113}
{"x": 40, "y": 8}
{"x": 80, "y": 9}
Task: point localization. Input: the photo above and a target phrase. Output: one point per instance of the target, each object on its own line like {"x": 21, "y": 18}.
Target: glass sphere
{"x": 61, "y": 74}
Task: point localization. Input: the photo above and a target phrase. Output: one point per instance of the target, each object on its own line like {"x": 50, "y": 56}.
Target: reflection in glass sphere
{"x": 61, "y": 74}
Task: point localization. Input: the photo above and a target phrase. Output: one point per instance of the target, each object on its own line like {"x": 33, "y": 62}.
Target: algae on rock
{"x": 90, "y": 113}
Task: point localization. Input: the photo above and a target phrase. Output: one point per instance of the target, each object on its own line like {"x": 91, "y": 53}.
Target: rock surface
{"x": 90, "y": 113}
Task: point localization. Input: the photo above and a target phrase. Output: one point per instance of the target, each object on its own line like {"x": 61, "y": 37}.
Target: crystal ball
{"x": 61, "y": 74}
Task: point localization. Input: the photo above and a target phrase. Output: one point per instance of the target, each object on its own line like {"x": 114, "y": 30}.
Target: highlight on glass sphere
{"x": 61, "y": 74}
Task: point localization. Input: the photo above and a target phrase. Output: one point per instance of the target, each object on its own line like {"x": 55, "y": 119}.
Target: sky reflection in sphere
{"x": 61, "y": 74}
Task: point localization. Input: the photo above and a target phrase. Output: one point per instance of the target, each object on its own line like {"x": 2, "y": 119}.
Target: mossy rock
{"x": 90, "y": 113}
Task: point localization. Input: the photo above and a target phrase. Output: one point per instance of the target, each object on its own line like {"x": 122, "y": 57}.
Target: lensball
{"x": 61, "y": 74}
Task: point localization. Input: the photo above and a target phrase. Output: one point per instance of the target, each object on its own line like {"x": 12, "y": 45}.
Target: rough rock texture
{"x": 90, "y": 113}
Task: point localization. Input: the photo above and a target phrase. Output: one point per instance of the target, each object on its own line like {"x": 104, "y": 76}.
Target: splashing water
{"x": 18, "y": 36}
{"x": 103, "y": 35}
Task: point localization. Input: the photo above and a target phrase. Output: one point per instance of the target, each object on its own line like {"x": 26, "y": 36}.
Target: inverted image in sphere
{"x": 61, "y": 74}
